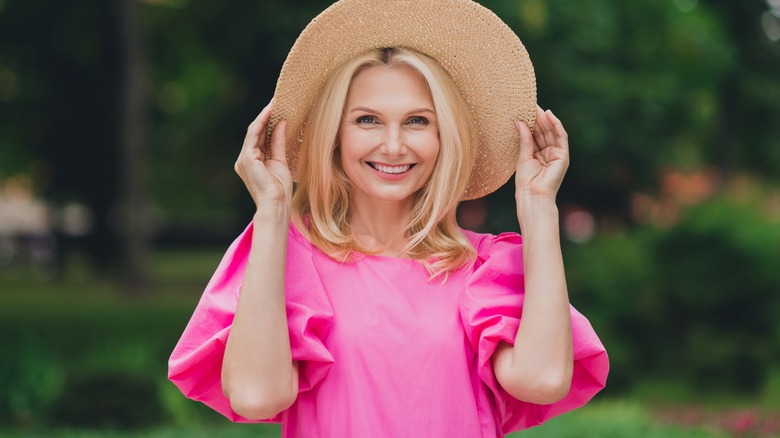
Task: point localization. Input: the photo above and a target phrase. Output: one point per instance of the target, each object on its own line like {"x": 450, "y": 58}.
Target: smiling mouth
{"x": 393, "y": 170}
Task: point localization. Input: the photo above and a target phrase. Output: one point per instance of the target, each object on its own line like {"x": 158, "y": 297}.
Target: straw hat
{"x": 487, "y": 61}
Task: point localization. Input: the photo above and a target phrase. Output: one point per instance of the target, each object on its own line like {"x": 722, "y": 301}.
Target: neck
{"x": 377, "y": 225}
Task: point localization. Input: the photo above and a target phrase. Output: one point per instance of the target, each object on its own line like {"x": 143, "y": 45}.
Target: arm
{"x": 259, "y": 376}
{"x": 538, "y": 367}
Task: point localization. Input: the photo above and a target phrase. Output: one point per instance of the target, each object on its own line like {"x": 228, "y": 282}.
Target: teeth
{"x": 391, "y": 169}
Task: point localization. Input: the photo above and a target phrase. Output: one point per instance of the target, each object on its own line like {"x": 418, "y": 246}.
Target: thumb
{"x": 279, "y": 142}
{"x": 526, "y": 142}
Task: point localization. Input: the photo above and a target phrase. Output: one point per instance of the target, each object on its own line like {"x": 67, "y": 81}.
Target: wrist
{"x": 533, "y": 211}
{"x": 271, "y": 217}
{"x": 536, "y": 204}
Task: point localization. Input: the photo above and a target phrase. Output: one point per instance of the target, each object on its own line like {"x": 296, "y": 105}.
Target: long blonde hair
{"x": 323, "y": 190}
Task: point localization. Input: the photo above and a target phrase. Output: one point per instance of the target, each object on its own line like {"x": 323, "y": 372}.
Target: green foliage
{"x": 645, "y": 84}
{"x": 612, "y": 419}
{"x": 31, "y": 381}
{"x": 85, "y": 356}
{"x": 64, "y": 361}
{"x": 108, "y": 399}
{"x": 213, "y": 70}
{"x": 210, "y": 431}
{"x": 721, "y": 276}
{"x": 63, "y": 337}
{"x": 612, "y": 280}
{"x": 696, "y": 303}
{"x": 637, "y": 84}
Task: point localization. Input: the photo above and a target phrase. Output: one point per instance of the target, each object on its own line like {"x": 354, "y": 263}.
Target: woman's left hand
{"x": 542, "y": 349}
{"x": 544, "y": 157}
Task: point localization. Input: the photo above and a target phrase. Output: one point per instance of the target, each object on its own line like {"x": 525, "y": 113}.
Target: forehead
{"x": 385, "y": 84}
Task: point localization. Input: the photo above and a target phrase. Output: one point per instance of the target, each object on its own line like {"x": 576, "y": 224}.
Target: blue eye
{"x": 365, "y": 120}
{"x": 418, "y": 120}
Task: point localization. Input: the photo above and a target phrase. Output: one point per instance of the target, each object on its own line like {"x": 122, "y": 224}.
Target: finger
{"x": 552, "y": 134}
{"x": 540, "y": 128}
{"x": 279, "y": 142}
{"x": 547, "y": 130}
{"x": 255, "y": 138}
{"x": 539, "y": 156}
{"x": 560, "y": 132}
{"x": 527, "y": 143}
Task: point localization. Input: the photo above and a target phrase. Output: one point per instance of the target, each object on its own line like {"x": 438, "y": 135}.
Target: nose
{"x": 392, "y": 143}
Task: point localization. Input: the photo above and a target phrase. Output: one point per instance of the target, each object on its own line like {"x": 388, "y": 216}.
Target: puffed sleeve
{"x": 491, "y": 307}
{"x": 195, "y": 365}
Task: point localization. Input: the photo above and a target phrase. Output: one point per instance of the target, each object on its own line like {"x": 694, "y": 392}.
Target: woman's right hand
{"x": 267, "y": 178}
{"x": 259, "y": 375}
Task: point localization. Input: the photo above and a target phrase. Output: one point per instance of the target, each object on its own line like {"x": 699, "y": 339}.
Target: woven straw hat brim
{"x": 484, "y": 57}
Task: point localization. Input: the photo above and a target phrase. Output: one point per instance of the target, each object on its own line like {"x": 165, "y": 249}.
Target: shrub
{"x": 720, "y": 271}
{"x": 111, "y": 400}
{"x": 696, "y": 303}
{"x": 60, "y": 362}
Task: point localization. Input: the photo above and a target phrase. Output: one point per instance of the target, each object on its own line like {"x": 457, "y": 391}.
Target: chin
{"x": 393, "y": 197}
{"x": 383, "y": 194}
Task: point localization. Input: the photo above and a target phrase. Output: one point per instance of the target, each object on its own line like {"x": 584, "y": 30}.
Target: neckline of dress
{"x": 361, "y": 256}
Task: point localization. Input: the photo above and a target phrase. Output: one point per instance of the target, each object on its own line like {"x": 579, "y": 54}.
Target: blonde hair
{"x": 323, "y": 190}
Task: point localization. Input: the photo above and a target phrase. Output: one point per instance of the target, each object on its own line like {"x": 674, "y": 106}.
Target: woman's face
{"x": 388, "y": 136}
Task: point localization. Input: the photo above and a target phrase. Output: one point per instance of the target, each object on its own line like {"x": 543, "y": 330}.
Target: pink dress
{"x": 382, "y": 351}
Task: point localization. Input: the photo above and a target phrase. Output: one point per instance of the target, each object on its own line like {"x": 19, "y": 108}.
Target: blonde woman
{"x": 354, "y": 305}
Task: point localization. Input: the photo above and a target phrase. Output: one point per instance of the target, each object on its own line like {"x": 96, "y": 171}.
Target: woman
{"x": 357, "y": 306}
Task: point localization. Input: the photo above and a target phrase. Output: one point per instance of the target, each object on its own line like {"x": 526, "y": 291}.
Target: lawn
{"x": 604, "y": 419}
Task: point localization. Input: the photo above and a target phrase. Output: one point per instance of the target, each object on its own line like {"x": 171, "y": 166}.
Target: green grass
{"x": 64, "y": 330}
{"x": 230, "y": 431}
{"x": 612, "y": 419}
{"x": 603, "y": 419}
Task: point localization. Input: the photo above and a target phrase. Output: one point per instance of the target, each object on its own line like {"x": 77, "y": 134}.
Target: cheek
{"x": 356, "y": 143}
{"x": 428, "y": 145}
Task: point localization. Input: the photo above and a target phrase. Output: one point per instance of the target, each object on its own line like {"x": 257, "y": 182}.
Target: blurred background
{"x": 120, "y": 122}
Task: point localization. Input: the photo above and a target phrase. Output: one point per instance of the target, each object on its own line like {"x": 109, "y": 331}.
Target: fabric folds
{"x": 368, "y": 369}
{"x": 491, "y": 307}
{"x": 195, "y": 365}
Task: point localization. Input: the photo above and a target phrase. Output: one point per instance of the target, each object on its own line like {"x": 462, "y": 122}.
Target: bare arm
{"x": 538, "y": 368}
{"x": 259, "y": 376}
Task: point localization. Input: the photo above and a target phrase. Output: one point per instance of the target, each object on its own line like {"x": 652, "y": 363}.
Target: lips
{"x": 392, "y": 170}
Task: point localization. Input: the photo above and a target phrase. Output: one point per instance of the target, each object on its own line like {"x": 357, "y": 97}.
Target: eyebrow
{"x": 369, "y": 110}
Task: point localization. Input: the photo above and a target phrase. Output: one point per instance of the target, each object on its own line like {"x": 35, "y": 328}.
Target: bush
{"x": 612, "y": 280}
{"x": 720, "y": 272}
{"x": 69, "y": 343}
{"x": 69, "y": 364}
{"x": 696, "y": 303}
{"x": 109, "y": 400}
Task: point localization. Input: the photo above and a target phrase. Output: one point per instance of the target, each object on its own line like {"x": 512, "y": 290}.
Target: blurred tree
{"x": 747, "y": 131}
{"x": 635, "y": 84}
{"x": 133, "y": 217}
{"x": 214, "y": 67}
{"x": 57, "y": 121}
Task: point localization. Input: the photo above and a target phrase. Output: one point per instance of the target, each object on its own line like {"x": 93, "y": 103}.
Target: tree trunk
{"x": 132, "y": 217}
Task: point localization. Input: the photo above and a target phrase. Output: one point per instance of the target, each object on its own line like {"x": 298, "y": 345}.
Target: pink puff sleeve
{"x": 491, "y": 307}
{"x": 195, "y": 365}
